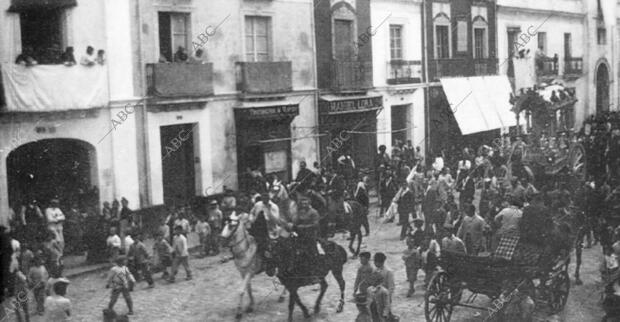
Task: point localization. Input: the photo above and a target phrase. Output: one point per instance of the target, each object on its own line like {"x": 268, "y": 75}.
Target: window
{"x": 173, "y": 33}
{"x": 257, "y": 38}
{"x": 480, "y": 38}
{"x": 343, "y": 40}
{"x": 568, "y": 52}
{"x": 442, "y": 49}
{"x": 461, "y": 36}
{"x": 396, "y": 42}
{"x": 601, "y": 36}
{"x": 43, "y": 34}
{"x": 542, "y": 42}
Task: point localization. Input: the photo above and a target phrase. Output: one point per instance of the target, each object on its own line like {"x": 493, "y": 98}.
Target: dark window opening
{"x": 601, "y": 36}
{"x": 443, "y": 42}
{"x": 42, "y": 35}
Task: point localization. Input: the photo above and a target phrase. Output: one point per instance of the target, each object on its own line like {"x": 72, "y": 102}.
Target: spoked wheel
{"x": 559, "y": 289}
{"x": 438, "y": 301}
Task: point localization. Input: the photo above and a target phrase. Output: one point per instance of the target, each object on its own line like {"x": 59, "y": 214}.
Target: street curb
{"x": 107, "y": 266}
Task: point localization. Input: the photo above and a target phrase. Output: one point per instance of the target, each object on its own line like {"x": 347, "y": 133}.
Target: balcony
{"x": 546, "y": 68}
{"x": 179, "y": 79}
{"x": 264, "y": 77}
{"x": 404, "y": 72}
{"x": 460, "y": 67}
{"x": 47, "y": 88}
{"x": 350, "y": 75}
{"x": 573, "y": 67}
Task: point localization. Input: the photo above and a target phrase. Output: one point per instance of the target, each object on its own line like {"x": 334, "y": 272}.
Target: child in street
{"x": 58, "y": 307}
{"x": 204, "y": 231}
{"x": 411, "y": 256}
{"x": 37, "y": 277}
{"x": 21, "y": 296}
{"x": 164, "y": 254}
{"x": 363, "y": 273}
{"x": 379, "y": 298}
{"x": 141, "y": 259}
{"x": 361, "y": 301}
{"x": 114, "y": 245}
{"x": 53, "y": 253}
{"x": 214, "y": 218}
{"x": 181, "y": 254}
{"x": 120, "y": 280}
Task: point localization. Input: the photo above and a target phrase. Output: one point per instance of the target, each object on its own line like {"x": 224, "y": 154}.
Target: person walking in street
{"x": 163, "y": 250}
{"x": 55, "y": 220}
{"x": 180, "y": 254}
{"x": 125, "y": 221}
{"x": 120, "y": 280}
{"x": 471, "y": 231}
{"x": 386, "y": 273}
{"x": 214, "y": 218}
{"x": 141, "y": 259}
{"x": 380, "y": 298}
{"x": 113, "y": 243}
{"x": 57, "y": 305}
{"x": 406, "y": 209}
{"x": 362, "y": 278}
{"x": 361, "y": 196}
{"x": 53, "y": 255}
{"x": 37, "y": 277}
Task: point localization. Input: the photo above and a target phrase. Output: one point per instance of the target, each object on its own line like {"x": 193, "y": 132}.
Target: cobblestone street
{"x": 213, "y": 293}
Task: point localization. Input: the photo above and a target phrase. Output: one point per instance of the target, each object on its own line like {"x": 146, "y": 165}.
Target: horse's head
{"x": 230, "y": 227}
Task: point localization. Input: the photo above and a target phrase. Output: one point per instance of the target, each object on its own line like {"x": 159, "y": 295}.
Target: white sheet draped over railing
{"x": 54, "y": 87}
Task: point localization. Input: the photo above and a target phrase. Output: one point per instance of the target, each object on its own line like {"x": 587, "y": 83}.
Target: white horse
{"x": 248, "y": 263}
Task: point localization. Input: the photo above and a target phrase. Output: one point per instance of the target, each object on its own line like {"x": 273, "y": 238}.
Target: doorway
{"x": 53, "y": 168}
{"x": 178, "y": 173}
{"x": 602, "y": 88}
{"x": 400, "y": 123}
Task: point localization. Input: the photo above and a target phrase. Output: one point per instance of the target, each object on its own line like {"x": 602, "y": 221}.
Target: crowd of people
{"x": 54, "y": 56}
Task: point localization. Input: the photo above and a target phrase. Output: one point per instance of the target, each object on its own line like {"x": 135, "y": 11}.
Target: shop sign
{"x": 352, "y": 105}
{"x": 267, "y": 112}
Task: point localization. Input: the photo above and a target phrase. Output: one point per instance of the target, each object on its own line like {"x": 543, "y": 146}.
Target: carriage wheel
{"x": 559, "y": 292}
{"x": 438, "y": 302}
{"x": 578, "y": 163}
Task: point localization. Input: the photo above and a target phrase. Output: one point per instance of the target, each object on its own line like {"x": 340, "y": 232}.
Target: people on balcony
{"x": 26, "y": 58}
{"x": 100, "y": 57}
{"x": 68, "y": 59}
{"x": 181, "y": 55}
{"x": 88, "y": 59}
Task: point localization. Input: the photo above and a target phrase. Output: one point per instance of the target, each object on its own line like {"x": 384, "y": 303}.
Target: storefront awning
{"x": 25, "y": 5}
{"x": 479, "y": 103}
{"x": 334, "y": 104}
{"x": 281, "y": 109}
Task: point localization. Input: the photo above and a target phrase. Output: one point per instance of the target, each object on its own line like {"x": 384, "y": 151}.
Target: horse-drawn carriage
{"x": 553, "y": 150}
{"x": 500, "y": 280}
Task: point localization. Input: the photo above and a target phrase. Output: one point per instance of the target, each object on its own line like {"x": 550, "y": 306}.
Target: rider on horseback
{"x": 305, "y": 222}
{"x": 266, "y": 223}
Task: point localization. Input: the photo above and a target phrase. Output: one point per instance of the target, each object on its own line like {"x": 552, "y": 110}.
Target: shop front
{"x": 264, "y": 139}
{"x": 350, "y": 126}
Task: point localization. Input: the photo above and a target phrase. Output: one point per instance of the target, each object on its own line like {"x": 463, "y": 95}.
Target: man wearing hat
{"x": 55, "y": 220}
{"x": 306, "y": 223}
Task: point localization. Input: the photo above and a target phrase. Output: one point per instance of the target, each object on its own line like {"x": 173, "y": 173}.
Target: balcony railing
{"x": 264, "y": 77}
{"x": 546, "y": 67}
{"x": 351, "y": 75}
{"x": 179, "y": 79}
{"x": 404, "y": 72}
{"x": 573, "y": 66}
{"x": 454, "y": 67}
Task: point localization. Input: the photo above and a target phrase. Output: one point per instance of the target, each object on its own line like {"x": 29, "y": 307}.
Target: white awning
{"x": 479, "y": 103}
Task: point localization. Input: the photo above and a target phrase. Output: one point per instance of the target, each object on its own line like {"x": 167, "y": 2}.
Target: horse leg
{"x": 578, "y": 251}
{"x": 250, "y": 307}
{"x": 317, "y": 306}
{"x": 351, "y": 242}
{"x": 359, "y": 242}
{"x": 291, "y": 306}
{"x": 301, "y": 305}
{"x": 337, "y": 272}
{"x": 244, "y": 286}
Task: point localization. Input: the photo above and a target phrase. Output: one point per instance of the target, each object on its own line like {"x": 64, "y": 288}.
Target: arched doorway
{"x": 602, "y": 88}
{"x": 63, "y": 168}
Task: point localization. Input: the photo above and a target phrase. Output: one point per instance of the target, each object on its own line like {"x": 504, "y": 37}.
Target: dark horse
{"x": 296, "y": 269}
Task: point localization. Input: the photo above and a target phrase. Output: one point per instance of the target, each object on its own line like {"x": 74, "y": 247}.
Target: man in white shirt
{"x": 114, "y": 244}
{"x": 89, "y": 58}
{"x": 181, "y": 254}
{"x": 55, "y": 219}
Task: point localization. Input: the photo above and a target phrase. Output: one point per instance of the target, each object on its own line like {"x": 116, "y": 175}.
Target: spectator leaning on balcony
{"x": 26, "y": 57}
{"x": 68, "y": 59}
{"x": 181, "y": 55}
{"x": 100, "y": 57}
{"x": 89, "y": 58}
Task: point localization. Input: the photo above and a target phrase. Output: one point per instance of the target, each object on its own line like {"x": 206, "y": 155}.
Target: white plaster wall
{"x": 304, "y": 131}
{"x": 573, "y": 6}
{"x": 405, "y": 13}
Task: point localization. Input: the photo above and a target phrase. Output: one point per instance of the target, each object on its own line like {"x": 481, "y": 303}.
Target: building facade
{"x": 397, "y": 71}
